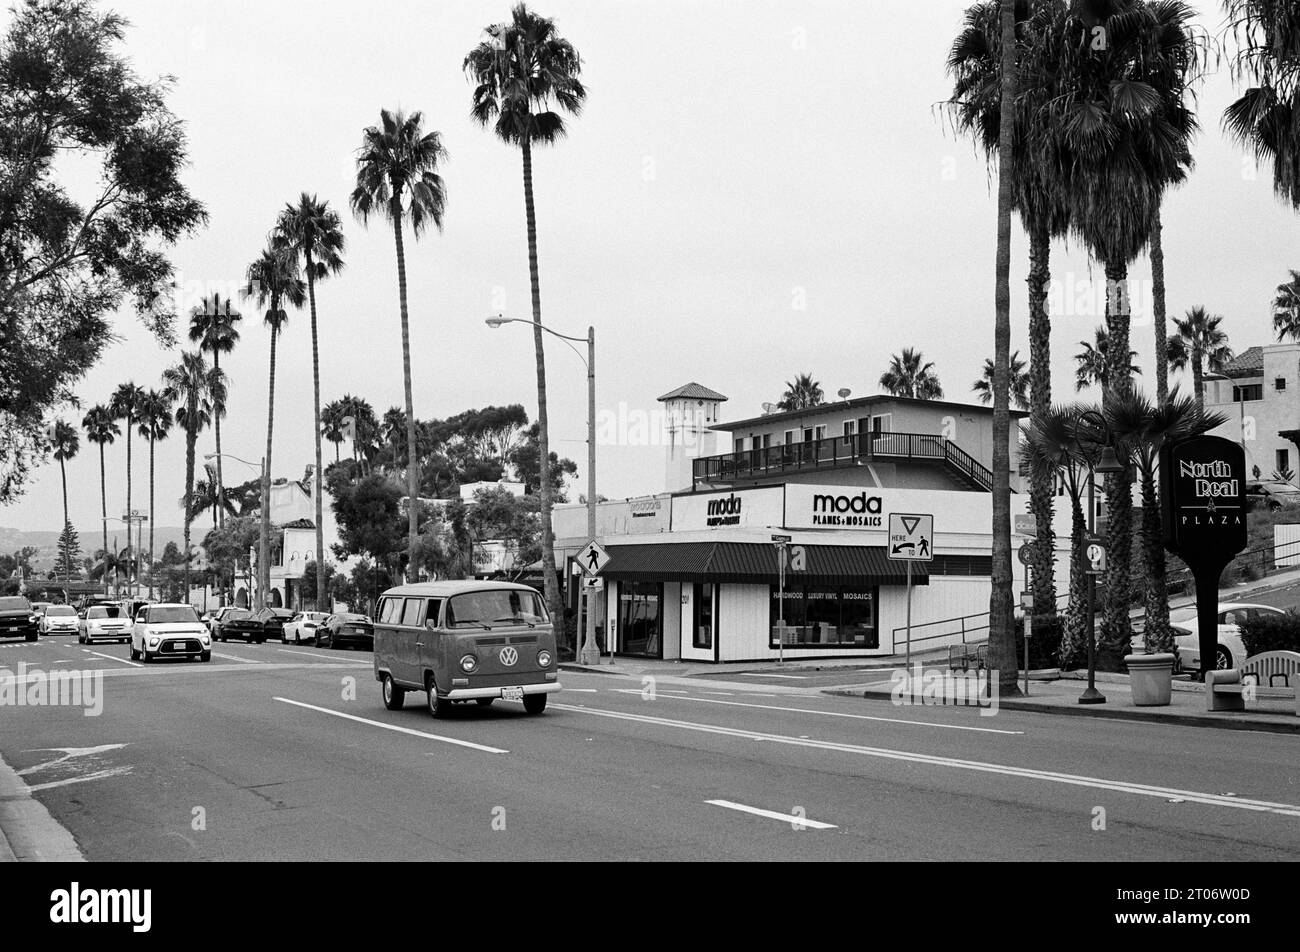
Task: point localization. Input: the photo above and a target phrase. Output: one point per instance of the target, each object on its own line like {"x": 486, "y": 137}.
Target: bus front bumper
{"x": 468, "y": 694}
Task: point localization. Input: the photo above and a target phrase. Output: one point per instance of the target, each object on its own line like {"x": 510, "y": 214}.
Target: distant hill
{"x": 47, "y": 543}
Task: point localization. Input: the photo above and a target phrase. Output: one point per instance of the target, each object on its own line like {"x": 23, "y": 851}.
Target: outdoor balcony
{"x": 840, "y": 451}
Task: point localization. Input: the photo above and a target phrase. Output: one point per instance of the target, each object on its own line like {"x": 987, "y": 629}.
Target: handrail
{"x": 836, "y": 450}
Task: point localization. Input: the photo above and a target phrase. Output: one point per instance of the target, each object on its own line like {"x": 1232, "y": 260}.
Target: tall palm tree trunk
{"x": 1117, "y": 629}
{"x": 1042, "y": 475}
{"x": 1074, "y": 643}
{"x": 1158, "y": 312}
{"x": 151, "y": 512}
{"x": 216, "y": 424}
{"x": 1156, "y": 634}
{"x": 103, "y": 506}
{"x": 550, "y": 583}
{"x": 264, "y": 543}
{"x": 191, "y": 437}
{"x": 315, "y": 407}
{"x": 412, "y": 461}
{"x": 63, "y": 473}
{"x": 128, "y": 493}
{"x": 1198, "y": 375}
{"x": 1002, "y": 645}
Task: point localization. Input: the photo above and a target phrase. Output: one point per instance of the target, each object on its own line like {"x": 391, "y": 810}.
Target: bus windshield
{"x": 496, "y": 609}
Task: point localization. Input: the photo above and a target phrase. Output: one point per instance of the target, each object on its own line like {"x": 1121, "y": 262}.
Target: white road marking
{"x": 581, "y": 691}
{"x": 759, "y": 674}
{"x": 394, "y": 727}
{"x": 884, "y": 753}
{"x": 97, "y": 775}
{"x": 335, "y": 658}
{"x": 97, "y": 654}
{"x": 68, "y": 754}
{"x": 230, "y": 657}
{"x": 773, "y": 815}
{"x": 721, "y": 693}
{"x": 856, "y": 717}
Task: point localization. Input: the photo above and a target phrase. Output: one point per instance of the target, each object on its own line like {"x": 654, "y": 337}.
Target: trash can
{"x": 1151, "y": 677}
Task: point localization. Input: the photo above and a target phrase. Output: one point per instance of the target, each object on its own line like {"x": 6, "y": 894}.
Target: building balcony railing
{"x": 838, "y": 451}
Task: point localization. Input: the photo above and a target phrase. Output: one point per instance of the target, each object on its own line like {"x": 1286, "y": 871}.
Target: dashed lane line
{"x": 773, "y": 815}
{"x": 393, "y": 727}
{"x": 98, "y": 654}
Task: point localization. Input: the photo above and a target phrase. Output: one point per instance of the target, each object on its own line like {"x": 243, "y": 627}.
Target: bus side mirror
{"x": 431, "y": 624}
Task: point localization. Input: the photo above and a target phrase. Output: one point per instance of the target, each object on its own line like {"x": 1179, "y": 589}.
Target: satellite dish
{"x": 844, "y": 393}
{"x": 769, "y": 407}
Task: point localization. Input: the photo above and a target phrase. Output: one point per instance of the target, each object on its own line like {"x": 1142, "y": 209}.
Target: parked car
{"x": 344, "y": 629}
{"x": 465, "y": 641}
{"x": 258, "y": 626}
{"x": 17, "y": 620}
{"x": 1272, "y": 495}
{"x": 302, "y": 627}
{"x": 214, "y": 618}
{"x": 169, "y": 631}
{"x": 1230, "y": 650}
{"x": 59, "y": 620}
{"x": 104, "y": 623}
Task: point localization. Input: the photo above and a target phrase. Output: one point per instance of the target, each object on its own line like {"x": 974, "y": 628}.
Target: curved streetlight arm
{"x": 257, "y": 466}
{"x": 498, "y": 321}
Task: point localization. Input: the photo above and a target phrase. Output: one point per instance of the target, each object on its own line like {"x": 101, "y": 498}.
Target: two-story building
{"x": 1259, "y": 393}
{"x": 694, "y": 571}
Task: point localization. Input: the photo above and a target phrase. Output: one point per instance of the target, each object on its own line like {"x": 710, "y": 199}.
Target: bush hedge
{"x": 1044, "y": 643}
{"x": 1270, "y": 632}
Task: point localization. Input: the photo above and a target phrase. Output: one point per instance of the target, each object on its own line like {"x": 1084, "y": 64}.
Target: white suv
{"x": 104, "y": 623}
{"x": 169, "y": 631}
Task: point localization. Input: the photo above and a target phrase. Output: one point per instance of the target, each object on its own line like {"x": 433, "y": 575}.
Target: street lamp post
{"x": 590, "y": 652}
{"x": 1107, "y": 464}
{"x": 264, "y": 542}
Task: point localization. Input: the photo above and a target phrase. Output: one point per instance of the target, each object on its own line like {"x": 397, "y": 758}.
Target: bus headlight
{"x": 544, "y": 658}
{"x": 468, "y": 663}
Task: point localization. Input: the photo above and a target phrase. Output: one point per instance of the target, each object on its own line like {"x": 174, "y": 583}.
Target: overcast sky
{"x": 754, "y": 190}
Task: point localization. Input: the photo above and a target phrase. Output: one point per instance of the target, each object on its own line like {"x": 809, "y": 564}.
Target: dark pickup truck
{"x": 17, "y": 619}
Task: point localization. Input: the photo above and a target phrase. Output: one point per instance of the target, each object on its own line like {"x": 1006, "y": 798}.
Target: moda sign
{"x": 862, "y": 510}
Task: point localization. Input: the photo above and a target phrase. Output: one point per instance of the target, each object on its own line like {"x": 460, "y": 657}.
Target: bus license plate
{"x": 512, "y": 694}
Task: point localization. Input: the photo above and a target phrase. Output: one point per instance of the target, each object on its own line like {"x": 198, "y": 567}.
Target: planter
{"x": 1151, "y": 677}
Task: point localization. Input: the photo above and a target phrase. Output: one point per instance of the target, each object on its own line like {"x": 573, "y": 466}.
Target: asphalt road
{"x": 287, "y": 753}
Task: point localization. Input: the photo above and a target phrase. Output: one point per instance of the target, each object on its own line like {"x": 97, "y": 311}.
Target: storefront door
{"x": 640, "y": 619}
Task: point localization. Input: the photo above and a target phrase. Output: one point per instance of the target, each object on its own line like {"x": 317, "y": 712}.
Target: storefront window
{"x": 826, "y": 618}
{"x": 704, "y": 611}
{"x": 639, "y": 606}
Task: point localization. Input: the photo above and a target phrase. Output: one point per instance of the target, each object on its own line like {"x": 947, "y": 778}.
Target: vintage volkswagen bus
{"x": 465, "y": 641}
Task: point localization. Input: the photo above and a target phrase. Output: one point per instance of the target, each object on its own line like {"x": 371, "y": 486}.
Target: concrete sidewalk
{"x": 1273, "y": 711}
{"x": 27, "y": 831}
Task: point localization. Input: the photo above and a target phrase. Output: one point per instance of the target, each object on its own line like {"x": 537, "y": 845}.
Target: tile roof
{"x": 1249, "y": 363}
{"x": 692, "y": 391}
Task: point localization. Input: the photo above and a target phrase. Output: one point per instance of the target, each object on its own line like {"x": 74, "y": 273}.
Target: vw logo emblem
{"x": 508, "y": 656}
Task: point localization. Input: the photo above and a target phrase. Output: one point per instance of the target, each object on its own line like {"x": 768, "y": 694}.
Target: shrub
{"x": 1044, "y": 643}
{"x": 1270, "y": 632}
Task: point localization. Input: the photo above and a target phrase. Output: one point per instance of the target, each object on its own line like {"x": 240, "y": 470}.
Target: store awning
{"x": 755, "y": 563}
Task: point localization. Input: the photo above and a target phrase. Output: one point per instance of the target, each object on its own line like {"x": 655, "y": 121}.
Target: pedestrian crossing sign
{"x": 911, "y": 536}
{"x": 593, "y": 558}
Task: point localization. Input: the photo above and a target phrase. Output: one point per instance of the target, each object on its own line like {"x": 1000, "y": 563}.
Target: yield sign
{"x": 593, "y": 558}
{"x": 910, "y": 523}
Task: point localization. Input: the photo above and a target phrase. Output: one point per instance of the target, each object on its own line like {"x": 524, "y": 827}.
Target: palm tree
{"x": 212, "y": 327}
{"x": 209, "y": 497}
{"x": 1018, "y": 376}
{"x": 1141, "y": 429}
{"x": 1093, "y": 362}
{"x": 1199, "y": 342}
{"x": 1038, "y": 197}
{"x": 397, "y": 178}
{"x": 101, "y": 428}
{"x": 801, "y": 393}
{"x": 1056, "y": 440}
{"x": 124, "y": 404}
{"x": 521, "y": 70}
{"x": 364, "y": 427}
{"x": 156, "y": 412}
{"x": 112, "y": 564}
{"x": 273, "y": 281}
{"x": 910, "y": 375}
{"x": 313, "y": 231}
{"x": 1286, "y": 308}
{"x": 1268, "y": 58}
{"x": 66, "y": 441}
{"x": 194, "y": 387}
{"x": 1127, "y": 126}
{"x": 332, "y": 416}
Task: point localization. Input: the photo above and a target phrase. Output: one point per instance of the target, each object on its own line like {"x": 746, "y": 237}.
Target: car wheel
{"x": 31, "y": 636}
{"x": 135, "y": 655}
{"x": 535, "y": 703}
{"x": 145, "y": 657}
{"x": 1222, "y": 658}
{"x": 484, "y": 701}
{"x": 438, "y": 706}
{"x": 394, "y": 696}
{"x": 205, "y": 656}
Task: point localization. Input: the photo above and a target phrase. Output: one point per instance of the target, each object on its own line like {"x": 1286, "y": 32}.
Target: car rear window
{"x": 15, "y": 605}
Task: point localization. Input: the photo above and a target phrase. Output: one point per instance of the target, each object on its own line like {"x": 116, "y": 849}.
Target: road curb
{"x": 28, "y": 833}
{"x": 1118, "y": 714}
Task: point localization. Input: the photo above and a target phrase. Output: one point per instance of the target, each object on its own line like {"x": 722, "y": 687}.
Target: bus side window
{"x": 391, "y": 611}
{"x": 432, "y": 614}
{"x": 411, "y": 614}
